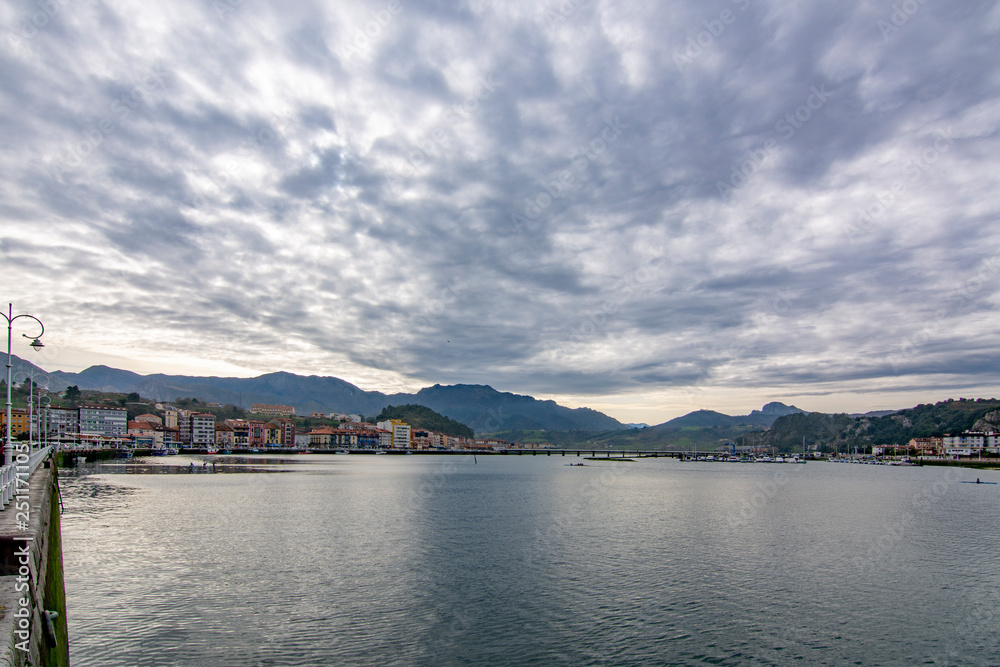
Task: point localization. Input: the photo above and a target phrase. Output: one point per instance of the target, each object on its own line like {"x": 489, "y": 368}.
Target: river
{"x": 507, "y": 560}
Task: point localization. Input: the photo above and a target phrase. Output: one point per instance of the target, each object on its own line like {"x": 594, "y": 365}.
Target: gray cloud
{"x": 624, "y": 199}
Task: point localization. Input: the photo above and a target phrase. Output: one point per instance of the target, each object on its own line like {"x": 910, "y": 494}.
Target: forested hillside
{"x": 420, "y": 417}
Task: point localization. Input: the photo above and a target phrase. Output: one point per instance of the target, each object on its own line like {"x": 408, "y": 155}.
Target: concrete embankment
{"x": 32, "y": 594}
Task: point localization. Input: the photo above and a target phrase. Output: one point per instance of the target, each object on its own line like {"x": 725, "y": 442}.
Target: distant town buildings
{"x": 224, "y": 435}
{"x": 400, "y": 431}
{"x": 60, "y": 421}
{"x": 927, "y": 446}
{"x": 356, "y": 419}
{"x": 972, "y": 443}
{"x": 327, "y": 437}
{"x": 968, "y": 444}
{"x": 102, "y": 420}
{"x": 169, "y": 427}
{"x": 148, "y": 434}
{"x": 267, "y": 410}
{"x": 198, "y": 430}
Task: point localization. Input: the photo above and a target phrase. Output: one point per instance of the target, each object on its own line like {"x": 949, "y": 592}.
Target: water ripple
{"x": 419, "y": 561}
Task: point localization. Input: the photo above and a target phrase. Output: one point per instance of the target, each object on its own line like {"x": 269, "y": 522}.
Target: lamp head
{"x": 36, "y": 345}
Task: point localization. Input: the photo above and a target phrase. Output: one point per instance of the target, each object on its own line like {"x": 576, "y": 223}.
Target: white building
{"x": 101, "y": 420}
{"x": 198, "y": 429}
{"x": 971, "y": 444}
{"x": 400, "y": 432}
{"x": 354, "y": 419}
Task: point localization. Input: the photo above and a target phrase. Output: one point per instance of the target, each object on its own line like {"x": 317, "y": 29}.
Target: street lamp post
{"x": 8, "y": 451}
{"x": 33, "y": 416}
{"x": 43, "y": 420}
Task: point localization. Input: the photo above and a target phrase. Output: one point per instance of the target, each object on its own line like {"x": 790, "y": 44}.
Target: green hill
{"x": 842, "y": 432}
{"x": 420, "y": 417}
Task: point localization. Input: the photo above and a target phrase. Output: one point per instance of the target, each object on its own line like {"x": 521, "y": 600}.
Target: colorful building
{"x": 19, "y": 422}
{"x": 401, "y": 433}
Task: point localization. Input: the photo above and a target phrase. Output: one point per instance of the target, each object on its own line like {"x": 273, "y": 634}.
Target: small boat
{"x": 159, "y": 452}
{"x": 576, "y": 465}
{"x": 171, "y": 451}
{"x": 124, "y": 454}
{"x": 211, "y": 450}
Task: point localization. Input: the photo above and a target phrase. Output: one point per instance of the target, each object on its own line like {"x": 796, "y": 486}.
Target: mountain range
{"x": 710, "y": 418}
{"x": 481, "y": 407}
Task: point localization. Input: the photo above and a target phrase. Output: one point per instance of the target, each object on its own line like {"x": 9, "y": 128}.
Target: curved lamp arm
{"x": 35, "y": 344}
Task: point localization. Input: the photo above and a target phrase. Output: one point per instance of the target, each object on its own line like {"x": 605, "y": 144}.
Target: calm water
{"x": 416, "y": 560}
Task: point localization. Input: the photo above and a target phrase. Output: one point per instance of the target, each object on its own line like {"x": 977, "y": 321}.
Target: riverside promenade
{"x": 32, "y": 595}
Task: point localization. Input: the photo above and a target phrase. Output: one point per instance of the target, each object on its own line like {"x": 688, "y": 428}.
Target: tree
{"x": 134, "y": 398}
{"x": 72, "y": 394}
{"x": 421, "y": 417}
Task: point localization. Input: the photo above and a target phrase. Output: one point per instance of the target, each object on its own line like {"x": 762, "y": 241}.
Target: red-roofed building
{"x": 224, "y": 435}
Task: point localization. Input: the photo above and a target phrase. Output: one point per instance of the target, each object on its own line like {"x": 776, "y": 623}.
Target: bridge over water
{"x": 90, "y": 454}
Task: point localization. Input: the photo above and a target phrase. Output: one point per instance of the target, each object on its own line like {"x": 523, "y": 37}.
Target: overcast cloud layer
{"x": 642, "y": 207}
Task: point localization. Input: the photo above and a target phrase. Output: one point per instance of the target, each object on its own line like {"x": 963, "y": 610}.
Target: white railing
{"x": 9, "y": 473}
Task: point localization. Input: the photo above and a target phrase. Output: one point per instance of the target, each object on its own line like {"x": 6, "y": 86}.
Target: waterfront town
{"x": 269, "y": 427}
{"x": 274, "y": 427}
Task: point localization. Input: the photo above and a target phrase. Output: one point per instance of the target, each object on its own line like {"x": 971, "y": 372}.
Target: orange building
{"x": 18, "y": 422}
{"x": 927, "y": 446}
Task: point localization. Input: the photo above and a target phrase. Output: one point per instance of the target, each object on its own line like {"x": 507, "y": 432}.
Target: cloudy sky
{"x": 642, "y": 207}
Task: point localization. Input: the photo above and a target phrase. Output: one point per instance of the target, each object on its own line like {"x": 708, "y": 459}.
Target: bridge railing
{"x": 9, "y": 473}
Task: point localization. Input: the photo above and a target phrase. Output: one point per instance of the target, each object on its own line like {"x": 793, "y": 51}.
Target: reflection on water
{"x": 176, "y": 465}
{"x": 500, "y": 560}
